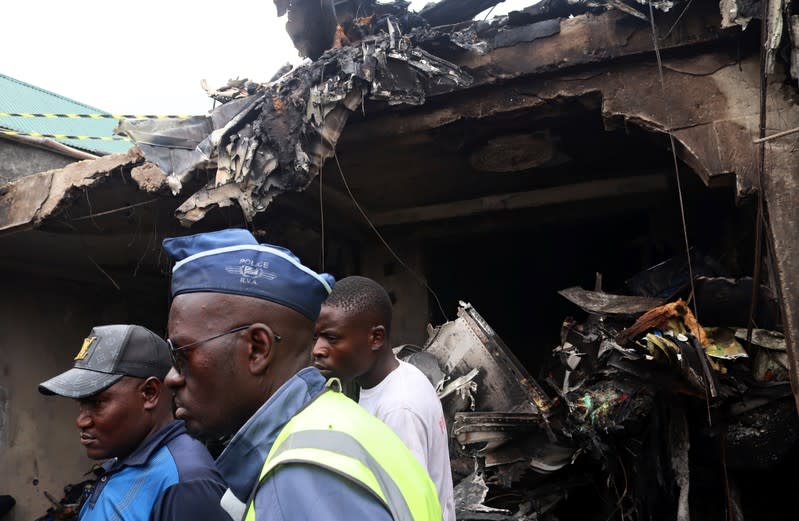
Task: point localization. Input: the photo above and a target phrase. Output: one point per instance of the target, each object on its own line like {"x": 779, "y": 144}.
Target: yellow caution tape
{"x": 49, "y": 115}
{"x": 64, "y": 136}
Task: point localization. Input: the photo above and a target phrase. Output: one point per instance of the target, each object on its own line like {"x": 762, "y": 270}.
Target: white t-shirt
{"x": 406, "y": 401}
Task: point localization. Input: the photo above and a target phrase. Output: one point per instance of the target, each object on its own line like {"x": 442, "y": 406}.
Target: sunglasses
{"x": 178, "y": 356}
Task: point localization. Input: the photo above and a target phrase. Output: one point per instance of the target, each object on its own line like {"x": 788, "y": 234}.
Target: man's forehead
{"x": 199, "y": 298}
{"x": 335, "y": 316}
{"x": 333, "y": 313}
{"x": 200, "y": 305}
{"x": 213, "y": 299}
{"x": 190, "y": 313}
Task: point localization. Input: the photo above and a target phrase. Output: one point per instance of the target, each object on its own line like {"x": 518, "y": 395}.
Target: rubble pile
{"x": 642, "y": 408}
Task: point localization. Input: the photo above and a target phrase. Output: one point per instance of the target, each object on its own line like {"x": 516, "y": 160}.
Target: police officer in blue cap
{"x": 240, "y": 334}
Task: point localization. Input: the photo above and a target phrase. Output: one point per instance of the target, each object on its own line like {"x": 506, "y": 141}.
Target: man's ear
{"x": 261, "y": 339}
{"x": 377, "y": 337}
{"x": 150, "y": 391}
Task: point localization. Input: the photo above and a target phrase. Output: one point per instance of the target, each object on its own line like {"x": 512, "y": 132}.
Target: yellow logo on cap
{"x": 87, "y": 343}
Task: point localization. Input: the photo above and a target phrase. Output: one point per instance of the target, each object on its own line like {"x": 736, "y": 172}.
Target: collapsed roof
{"x": 371, "y": 56}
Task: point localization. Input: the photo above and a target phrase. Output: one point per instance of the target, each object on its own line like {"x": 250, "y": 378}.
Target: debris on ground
{"x": 621, "y": 422}
{"x": 75, "y": 494}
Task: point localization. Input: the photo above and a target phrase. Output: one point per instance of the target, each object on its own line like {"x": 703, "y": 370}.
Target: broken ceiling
{"x": 276, "y": 137}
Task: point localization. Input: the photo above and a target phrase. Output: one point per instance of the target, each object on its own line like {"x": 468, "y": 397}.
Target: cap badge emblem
{"x": 84, "y": 350}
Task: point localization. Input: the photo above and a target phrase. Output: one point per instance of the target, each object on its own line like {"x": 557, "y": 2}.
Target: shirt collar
{"x": 152, "y": 443}
{"x": 242, "y": 460}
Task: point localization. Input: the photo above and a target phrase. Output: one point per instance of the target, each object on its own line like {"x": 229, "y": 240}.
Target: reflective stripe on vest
{"x": 342, "y": 454}
{"x": 317, "y": 436}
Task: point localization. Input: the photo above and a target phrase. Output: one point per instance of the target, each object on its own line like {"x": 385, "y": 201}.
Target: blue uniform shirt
{"x": 169, "y": 476}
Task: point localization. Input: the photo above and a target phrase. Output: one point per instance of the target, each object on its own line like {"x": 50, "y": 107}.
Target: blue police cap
{"x": 232, "y": 261}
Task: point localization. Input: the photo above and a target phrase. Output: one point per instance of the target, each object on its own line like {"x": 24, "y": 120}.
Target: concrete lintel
{"x": 31, "y": 199}
{"x": 530, "y": 199}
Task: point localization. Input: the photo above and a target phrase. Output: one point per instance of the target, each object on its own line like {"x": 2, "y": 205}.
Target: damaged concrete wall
{"x": 781, "y": 193}
{"x": 411, "y": 312}
{"x": 44, "y": 322}
{"x": 40, "y": 440}
{"x": 31, "y": 199}
{"x": 17, "y": 160}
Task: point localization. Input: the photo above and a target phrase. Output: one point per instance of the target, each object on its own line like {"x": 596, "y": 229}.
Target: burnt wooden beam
{"x": 530, "y": 199}
{"x": 523, "y": 220}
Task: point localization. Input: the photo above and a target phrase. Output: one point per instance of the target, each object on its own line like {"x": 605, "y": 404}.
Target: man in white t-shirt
{"x": 352, "y": 343}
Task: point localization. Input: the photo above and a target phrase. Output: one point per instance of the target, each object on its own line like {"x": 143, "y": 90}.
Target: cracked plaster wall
{"x": 411, "y": 312}
{"x": 44, "y": 322}
{"x": 18, "y": 160}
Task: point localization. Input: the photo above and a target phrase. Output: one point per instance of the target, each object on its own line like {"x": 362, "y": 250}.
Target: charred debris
{"x": 642, "y": 413}
{"x": 266, "y": 139}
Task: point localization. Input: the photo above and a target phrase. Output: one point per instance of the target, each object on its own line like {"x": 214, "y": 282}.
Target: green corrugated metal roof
{"x": 20, "y": 97}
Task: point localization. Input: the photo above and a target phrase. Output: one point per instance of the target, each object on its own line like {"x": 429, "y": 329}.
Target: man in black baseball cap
{"x": 156, "y": 470}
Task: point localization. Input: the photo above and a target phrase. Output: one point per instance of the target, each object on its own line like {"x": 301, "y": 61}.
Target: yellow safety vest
{"x": 335, "y": 433}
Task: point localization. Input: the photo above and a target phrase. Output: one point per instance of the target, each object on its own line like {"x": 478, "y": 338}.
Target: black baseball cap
{"x": 108, "y": 354}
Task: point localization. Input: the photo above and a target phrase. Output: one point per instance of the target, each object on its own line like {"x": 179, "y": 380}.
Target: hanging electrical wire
{"x": 385, "y": 243}
{"x": 672, "y": 143}
{"x": 673, "y": 146}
